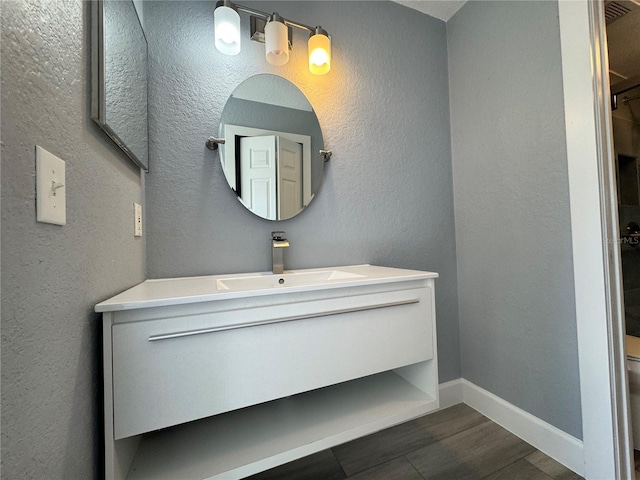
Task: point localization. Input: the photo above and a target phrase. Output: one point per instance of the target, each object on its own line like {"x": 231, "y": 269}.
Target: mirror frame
{"x": 98, "y": 81}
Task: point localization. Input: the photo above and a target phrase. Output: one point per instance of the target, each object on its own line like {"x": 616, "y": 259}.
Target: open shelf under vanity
{"x": 254, "y": 439}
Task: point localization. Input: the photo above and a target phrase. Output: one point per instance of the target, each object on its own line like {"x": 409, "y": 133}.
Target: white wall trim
{"x": 450, "y": 393}
{"x": 559, "y": 445}
{"x": 596, "y": 266}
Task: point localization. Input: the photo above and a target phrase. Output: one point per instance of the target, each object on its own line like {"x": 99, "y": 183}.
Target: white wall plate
{"x": 51, "y": 191}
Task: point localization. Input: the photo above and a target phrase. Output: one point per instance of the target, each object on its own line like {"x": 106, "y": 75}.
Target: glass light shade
{"x": 276, "y": 42}
{"x": 226, "y": 23}
{"x": 319, "y": 54}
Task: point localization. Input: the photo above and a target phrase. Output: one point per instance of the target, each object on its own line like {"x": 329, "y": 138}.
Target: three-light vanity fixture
{"x": 274, "y": 31}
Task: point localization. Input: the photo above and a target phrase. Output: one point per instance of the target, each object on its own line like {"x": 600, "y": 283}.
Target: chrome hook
{"x": 326, "y": 154}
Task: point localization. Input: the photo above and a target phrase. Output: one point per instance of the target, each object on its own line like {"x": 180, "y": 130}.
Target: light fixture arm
{"x": 265, "y": 15}
{"x": 301, "y": 26}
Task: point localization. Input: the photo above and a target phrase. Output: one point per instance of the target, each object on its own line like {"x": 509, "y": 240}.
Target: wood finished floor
{"x": 456, "y": 443}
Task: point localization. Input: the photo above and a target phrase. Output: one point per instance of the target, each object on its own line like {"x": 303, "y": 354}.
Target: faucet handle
{"x": 277, "y": 235}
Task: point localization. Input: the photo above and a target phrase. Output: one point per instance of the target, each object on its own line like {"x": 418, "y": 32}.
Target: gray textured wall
{"x": 387, "y": 195}
{"x": 513, "y": 231}
{"x": 52, "y": 276}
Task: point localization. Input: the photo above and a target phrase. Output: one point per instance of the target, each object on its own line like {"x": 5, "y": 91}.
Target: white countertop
{"x": 176, "y": 291}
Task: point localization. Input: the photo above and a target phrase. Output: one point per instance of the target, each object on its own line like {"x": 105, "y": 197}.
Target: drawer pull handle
{"x": 188, "y": 333}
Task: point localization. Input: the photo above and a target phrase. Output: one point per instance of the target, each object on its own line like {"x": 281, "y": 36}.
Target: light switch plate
{"x": 51, "y": 190}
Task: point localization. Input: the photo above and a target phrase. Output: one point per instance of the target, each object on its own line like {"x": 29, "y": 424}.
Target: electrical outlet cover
{"x": 137, "y": 220}
{"x": 51, "y": 190}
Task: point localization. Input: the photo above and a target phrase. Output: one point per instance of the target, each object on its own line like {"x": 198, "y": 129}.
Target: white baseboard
{"x": 450, "y": 393}
{"x": 559, "y": 445}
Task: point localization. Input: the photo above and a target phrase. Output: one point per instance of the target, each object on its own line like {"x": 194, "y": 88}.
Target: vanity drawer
{"x": 174, "y": 370}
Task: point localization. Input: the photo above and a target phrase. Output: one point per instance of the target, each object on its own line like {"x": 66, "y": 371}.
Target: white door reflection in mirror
{"x": 292, "y": 178}
{"x": 271, "y": 176}
{"x": 258, "y": 175}
{"x": 289, "y": 168}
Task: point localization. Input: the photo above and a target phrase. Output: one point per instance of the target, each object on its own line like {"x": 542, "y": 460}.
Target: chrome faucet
{"x": 279, "y": 243}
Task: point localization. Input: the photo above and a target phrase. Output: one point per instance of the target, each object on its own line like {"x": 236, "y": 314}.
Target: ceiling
{"x": 441, "y": 9}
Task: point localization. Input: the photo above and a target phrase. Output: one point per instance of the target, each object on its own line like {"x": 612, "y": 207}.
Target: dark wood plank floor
{"x": 456, "y": 443}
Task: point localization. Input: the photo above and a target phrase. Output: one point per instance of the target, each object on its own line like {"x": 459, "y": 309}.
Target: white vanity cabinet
{"x": 209, "y": 382}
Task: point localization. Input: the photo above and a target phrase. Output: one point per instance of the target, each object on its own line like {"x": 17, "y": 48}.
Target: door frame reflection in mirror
{"x": 228, "y": 160}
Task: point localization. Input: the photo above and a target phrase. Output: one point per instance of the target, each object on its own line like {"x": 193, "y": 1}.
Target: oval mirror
{"x": 270, "y": 157}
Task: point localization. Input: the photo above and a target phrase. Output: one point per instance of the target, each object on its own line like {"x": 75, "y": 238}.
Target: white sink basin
{"x": 288, "y": 279}
{"x": 176, "y": 291}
